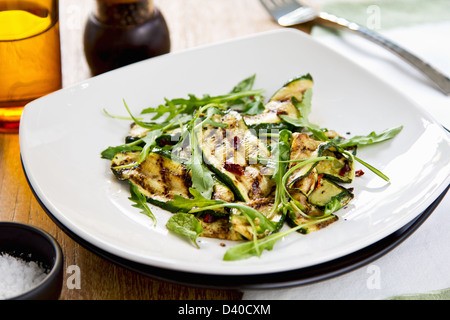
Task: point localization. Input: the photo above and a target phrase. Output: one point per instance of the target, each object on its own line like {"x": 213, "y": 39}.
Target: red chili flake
{"x": 236, "y": 142}
{"x": 209, "y": 218}
{"x": 344, "y": 169}
{"x": 165, "y": 142}
{"x": 319, "y": 180}
{"x": 281, "y": 112}
{"x": 359, "y": 173}
{"x": 234, "y": 168}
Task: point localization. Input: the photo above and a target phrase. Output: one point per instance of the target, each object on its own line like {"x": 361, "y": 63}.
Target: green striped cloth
{"x": 392, "y": 13}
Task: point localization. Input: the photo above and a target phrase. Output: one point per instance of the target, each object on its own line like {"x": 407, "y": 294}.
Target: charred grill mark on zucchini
{"x": 230, "y": 153}
{"x": 296, "y": 219}
{"x": 280, "y": 104}
{"x": 233, "y": 153}
{"x": 219, "y": 228}
{"x": 340, "y": 170}
{"x": 241, "y": 225}
{"x": 160, "y": 178}
{"x": 303, "y": 147}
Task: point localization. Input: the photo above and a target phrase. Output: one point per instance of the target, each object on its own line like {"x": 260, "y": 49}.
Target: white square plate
{"x": 62, "y": 135}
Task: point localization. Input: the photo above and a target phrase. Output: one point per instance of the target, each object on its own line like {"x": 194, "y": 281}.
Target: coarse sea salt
{"x": 18, "y": 276}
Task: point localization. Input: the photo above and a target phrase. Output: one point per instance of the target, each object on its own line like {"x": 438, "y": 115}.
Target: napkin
{"x": 418, "y": 268}
{"x": 421, "y": 27}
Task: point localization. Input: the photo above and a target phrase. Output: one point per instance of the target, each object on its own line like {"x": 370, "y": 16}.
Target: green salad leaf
{"x": 186, "y": 225}
{"x": 369, "y": 139}
{"x": 110, "y": 152}
{"x": 304, "y": 108}
{"x": 255, "y": 248}
{"x": 189, "y": 116}
{"x": 140, "y": 201}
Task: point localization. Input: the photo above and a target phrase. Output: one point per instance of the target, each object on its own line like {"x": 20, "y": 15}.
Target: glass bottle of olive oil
{"x": 121, "y": 32}
{"x": 30, "y": 56}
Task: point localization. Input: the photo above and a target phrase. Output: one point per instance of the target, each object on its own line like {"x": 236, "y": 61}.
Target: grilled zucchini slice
{"x": 342, "y": 169}
{"x": 160, "y": 178}
{"x": 241, "y": 225}
{"x": 269, "y": 119}
{"x": 232, "y": 154}
{"x": 280, "y": 104}
{"x": 297, "y": 219}
{"x": 218, "y": 227}
{"x": 294, "y": 88}
{"x": 136, "y": 132}
{"x": 327, "y": 190}
{"x": 302, "y": 148}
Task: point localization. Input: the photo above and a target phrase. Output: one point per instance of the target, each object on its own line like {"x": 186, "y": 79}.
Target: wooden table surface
{"x": 191, "y": 23}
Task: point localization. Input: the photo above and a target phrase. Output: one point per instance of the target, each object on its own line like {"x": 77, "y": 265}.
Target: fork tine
{"x": 279, "y": 8}
{"x": 268, "y": 4}
{"x": 289, "y": 12}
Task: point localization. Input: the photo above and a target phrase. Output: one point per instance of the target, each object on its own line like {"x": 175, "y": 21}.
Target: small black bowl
{"x": 33, "y": 244}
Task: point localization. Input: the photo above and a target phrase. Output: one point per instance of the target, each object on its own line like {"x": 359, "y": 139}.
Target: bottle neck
{"x": 124, "y": 12}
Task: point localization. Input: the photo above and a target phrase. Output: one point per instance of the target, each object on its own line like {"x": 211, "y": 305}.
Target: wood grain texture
{"x": 192, "y": 23}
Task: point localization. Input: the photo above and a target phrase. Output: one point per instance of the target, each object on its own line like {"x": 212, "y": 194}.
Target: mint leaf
{"x": 185, "y": 225}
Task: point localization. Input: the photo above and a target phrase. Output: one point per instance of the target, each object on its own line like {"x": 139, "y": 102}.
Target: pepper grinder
{"x": 121, "y": 32}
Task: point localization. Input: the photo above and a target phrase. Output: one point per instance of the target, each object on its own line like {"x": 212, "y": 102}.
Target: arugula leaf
{"x": 200, "y": 203}
{"x": 140, "y": 201}
{"x": 263, "y": 223}
{"x": 371, "y": 138}
{"x": 149, "y": 139}
{"x": 202, "y": 179}
{"x": 244, "y": 85}
{"x": 150, "y": 143}
{"x": 253, "y": 107}
{"x": 281, "y": 153}
{"x": 186, "y": 225}
{"x": 193, "y": 103}
{"x": 304, "y": 107}
{"x": 162, "y": 109}
{"x": 201, "y": 176}
{"x": 110, "y": 152}
{"x": 368, "y": 166}
{"x": 250, "y": 105}
{"x": 221, "y": 99}
{"x": 117, "y": 117}
{"x": 254, "y": 248}
{"x": 373, "y": 169}
{"x": 197, "y": 202}
{"x": 334, "y": 205}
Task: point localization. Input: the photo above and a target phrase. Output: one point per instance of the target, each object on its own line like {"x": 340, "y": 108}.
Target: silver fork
{"x": 290, "y": 12}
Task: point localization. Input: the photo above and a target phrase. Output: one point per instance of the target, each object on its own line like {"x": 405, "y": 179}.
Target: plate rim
{"x": 259, "y": 281}
{"x": 436, "y": 191}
